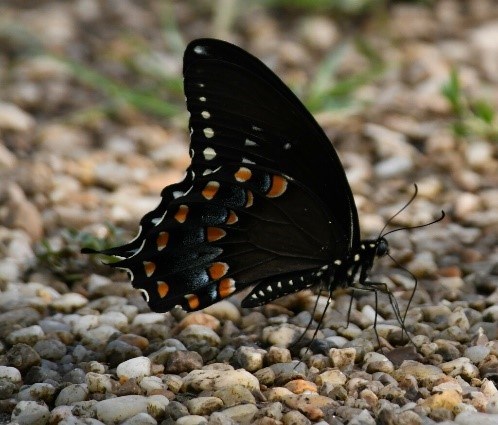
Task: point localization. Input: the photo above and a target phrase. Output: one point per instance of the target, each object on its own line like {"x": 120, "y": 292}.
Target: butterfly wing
{"x": 265, "y": 201}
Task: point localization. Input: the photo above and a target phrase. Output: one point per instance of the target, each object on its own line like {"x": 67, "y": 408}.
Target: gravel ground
{"x": 84, "y": 144}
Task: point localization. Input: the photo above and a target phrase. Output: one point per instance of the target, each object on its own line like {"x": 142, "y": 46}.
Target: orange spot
{"x": 232, "y": 218}
{"x": 278, "y": 187}
{"x": 215, "y": 233}
{"x": 149, "y": 267}
{"x": 250, "y": 199}
{"x": 162, "y": 240}
{"x": 226, "y": 287}
{"x": 243, "y": 174}
{"x": 193, "y": 301}
{"x": 181, "y": 214}
{"x": 210, "y": 190}
{"x": 218, "y": 270}
{"x": 162, "y": 288}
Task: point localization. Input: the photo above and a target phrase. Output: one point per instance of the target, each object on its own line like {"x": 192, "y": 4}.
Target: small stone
{"x": 342, "y": 358}
{"x": 98, "y": 383}
{"x": 192, "y": 420}
{"x": 477, "y": 353}
{"x": 299, "y": 386}
{"x": 30, "y": 412}
{"x": 69, "y": 302}
{"x": 204, "y": 405}
{"x": 241, "y": 414}
{"x": 140, "y": 419}
{"x": 72, "y": 394}
{"x": 472, "y": 418}
{"x": 234, "y": 395}
{"x": 423, "y": 373}
{"x": 202, "y": 380}
{"x": 152, "y": 385}
{"x": 278, "y": 355}
{"x": 11, "y": 374}
{"x": 319, "y": 32}
{"x": 14, "y": 118}
{"x": 448, "y": 400}
{"x": 196, "y": 334}
{"x": 224, "y": 310}
{"x": 199, "y": 318}
{"x": 147, "y": 319}
{"x": 118, "y": 409}
{"x": 249, "y": 358}
{"x": 50, "y": 349}
{"x": 22, "y": 357}
{"x": 119, "y": 351}
{"x": 460, "y": 367}
{"x": 134, "y": 368}
{"x": 333, "y": 377}
{"x": 376, "y": 362}
{"x": 295, "y": 418}
{"x": 183, "y": 361}
{"x": 30, "y": 335}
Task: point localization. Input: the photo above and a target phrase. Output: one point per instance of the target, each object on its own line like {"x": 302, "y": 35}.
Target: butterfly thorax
{"x": 360, "y": 260}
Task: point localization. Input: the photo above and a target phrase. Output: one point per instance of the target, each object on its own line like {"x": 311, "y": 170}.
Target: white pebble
{"x": 30, "y": 412}
{"x": 10, "y": 373}
{"x": 118, "y": 409}
{"x": 137, "y": 367}
{"x": 148, "y": 319}
{"x": 69, "y": 302}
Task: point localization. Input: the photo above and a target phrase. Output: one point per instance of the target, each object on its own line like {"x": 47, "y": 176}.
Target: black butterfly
{"x": 265, "y": 201}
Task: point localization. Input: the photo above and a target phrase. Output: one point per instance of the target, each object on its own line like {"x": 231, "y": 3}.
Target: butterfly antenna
{"x": 437, "y": 220}
{"x": 399, "y": 212}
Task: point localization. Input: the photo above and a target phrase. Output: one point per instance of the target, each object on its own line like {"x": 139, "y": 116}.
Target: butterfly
{"x": 265, "y": 202}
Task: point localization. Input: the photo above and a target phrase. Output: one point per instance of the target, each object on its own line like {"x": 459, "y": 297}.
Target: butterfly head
{"x": 381, "y": 247}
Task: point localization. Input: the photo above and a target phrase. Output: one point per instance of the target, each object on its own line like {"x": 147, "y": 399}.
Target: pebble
{"x": 249, "y": 358}
{"x": 30, "y": 412}
{"x": 199, "y": 334}
{"x": 69, "y": 302}
{"x": 137, "y": 368}
{"x": 72, "y": 394}
{"x": 30, "y": 335}
{"x": 14, "y": 118}
{"x": 212, "y": 380}
{"x": 183, "y": 361}
{"x": 203, "y": 406}
{"x": 242, "y": 414}
{"x": 234, "y": 395}
{"x": 118, "y": 409}
{"x": 192, "y": 420}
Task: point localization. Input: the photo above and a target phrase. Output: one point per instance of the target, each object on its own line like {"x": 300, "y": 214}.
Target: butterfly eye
{"x": 382, "y": 247}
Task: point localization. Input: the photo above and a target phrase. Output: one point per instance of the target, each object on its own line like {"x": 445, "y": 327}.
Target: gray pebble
{"x": 37, "y": 392}
{"x": 72, "y": 394}
{"x": 50, "y": 349}
{"x": 30, "y": 335}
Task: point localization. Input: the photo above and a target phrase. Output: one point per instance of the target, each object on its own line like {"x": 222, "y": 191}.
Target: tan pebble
{"x": 198, "y": 318}
{"x": 298, "y": 386}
